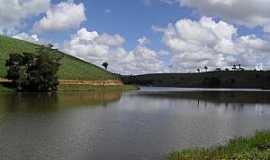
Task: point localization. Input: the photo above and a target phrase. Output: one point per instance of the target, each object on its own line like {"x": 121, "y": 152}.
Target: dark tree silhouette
{"x": 198, "y": 70}
{"x": 234, "y": 67}
{"x": 239, "y": 66}
{"x": 105, "y": 65}
{"x": 206, "y": 68}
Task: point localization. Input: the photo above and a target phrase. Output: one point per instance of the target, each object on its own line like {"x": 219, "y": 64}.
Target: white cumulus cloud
{"x": 27, "y": 37}
{"x": 98, "y": 48}
{"x": 62, "y": 16}
{"x": 209, "y": 43}
{"x": 188, "y": 44}
{"x": 250, "y": 13}
{"x": 14, "y": 12}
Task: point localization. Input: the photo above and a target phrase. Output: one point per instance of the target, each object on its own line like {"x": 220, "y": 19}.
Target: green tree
{"x": 14, "y": 62}
{"x": 35, "y": 71}
{"x": 105, "y": 65}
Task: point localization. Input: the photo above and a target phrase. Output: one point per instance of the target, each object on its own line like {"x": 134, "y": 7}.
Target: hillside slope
{"x": 72, "y": 68}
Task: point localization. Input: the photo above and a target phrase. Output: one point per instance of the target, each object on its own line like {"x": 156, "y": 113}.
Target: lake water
{"x": 137, "y": 125}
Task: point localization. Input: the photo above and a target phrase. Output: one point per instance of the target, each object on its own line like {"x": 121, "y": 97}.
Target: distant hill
{"x": 217, "y": 79}
{"x": 72, "y": 68}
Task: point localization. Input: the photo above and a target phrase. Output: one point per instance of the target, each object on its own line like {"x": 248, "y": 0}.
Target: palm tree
{"x": 105, "y": 65}
{"x": 206, "y": 68}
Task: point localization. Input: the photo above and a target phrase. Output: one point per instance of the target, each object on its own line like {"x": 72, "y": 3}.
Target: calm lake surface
{"x": 138, "y": 125}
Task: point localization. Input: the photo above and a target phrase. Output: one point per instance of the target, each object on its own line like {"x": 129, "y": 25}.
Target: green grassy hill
{"x": 72, "y": 68}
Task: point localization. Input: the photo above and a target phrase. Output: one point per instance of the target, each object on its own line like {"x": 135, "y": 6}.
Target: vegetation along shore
{"x": 251, "y": 148}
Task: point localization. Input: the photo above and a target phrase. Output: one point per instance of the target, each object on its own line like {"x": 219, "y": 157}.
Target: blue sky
{"x": 133, "y": 19}
{"x": 130, "y": 18}
{"x": 145, "y": 36}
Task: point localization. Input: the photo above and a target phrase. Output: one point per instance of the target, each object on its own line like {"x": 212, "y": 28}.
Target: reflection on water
{"x": 229, "y": 100}
{"x": 32, "y": 102}
{"x": 141, "y": 125}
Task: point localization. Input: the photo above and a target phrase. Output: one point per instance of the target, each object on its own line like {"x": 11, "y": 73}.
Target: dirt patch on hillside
{"x": 93, "y": 83}
{"x": 82, "y": 82}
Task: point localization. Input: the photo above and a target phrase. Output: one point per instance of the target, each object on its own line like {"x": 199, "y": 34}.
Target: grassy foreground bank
{"x": 252, "y": 148}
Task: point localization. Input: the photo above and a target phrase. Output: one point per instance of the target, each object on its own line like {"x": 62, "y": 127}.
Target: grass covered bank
{"x": 251, "y": 148}
{"x": 85, "y": 88}
{"x": 82, "y": 88}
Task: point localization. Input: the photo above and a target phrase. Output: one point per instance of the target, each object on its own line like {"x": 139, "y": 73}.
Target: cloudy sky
{"x": 147, "y": 36}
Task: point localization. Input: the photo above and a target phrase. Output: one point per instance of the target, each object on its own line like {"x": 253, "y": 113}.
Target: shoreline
{"x": 81, "y": 86}
{"x": 89, "y": 88}
{"x": 80, "y": 82}
{"x": 211, "y": 79}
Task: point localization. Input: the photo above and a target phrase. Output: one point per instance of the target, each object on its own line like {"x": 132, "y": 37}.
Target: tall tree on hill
{"x": 198, "y": 70}
{"x": 206, "y": 68}
{"x": 105, "y": 65}
{"x": 239, "y": 67}
{"x": 234, "y": 67}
